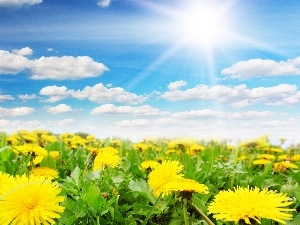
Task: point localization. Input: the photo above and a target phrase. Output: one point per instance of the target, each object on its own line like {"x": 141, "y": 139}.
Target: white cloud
{"x": 97, "y": 93}
{"x": 65, "y": 122}
{"x": 11, "y": 63}
{"x": 100, "y": 94}
{"x": 61, "y": 108}
{"x": 238, "y": 96}
{"x": 56, "y": 68}
{"x": 263, "y": 67}
{"x": 66, "y": 68}
{"x": 55, "y": 93}
{"x": 6, "y": 98}
{"x": 208, "y": 113}
{"x": 50, "y": 49}
{"x": 27, "y": 97}
{"x": 145, "y": 110}
{"x": 18, "y": 3}
{"x": 276, "y": 123}
{"x": 21, "y": 111}
{"x": 134, "y": 123}
{"x": 176, "y": 85}
{"x": 103, "y": 3}
{"x": 23, "y": 51}
{"x": 12, "y": 126}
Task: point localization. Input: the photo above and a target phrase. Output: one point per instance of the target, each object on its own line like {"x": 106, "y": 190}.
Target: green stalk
{"x": 236, "y": 154}
{"x": 207, "y": 220}
{"x": 184, "y": 208}
{"x": 150, "y": 214}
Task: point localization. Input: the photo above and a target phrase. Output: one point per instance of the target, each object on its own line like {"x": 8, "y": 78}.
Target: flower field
{"x": 79, "y": 179}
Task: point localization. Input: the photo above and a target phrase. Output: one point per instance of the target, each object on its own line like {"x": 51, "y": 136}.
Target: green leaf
{"x": 48, "y": 161}
{"x": 75, "y": 175}
{"x": 67, "y": 218}
{"x": 91, "y": 194}
{"x": 200, "y": 204}
{"x": 133, "y": 157}
{"x": 142, "y": 188}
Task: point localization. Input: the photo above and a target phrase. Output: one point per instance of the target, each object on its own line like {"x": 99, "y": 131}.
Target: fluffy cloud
{"x": 61, "y": 108}
{"x": 238, "y": 96}
{"x": 263, "y": 67}
{"x": 6, "y": 98}
{"x": 176, "y": 85}
{"x": 97, "y": 93}
{"x": 145, "y": 110}
{"x": 21, "y": 111}
{"x": 12, "y": 126}
{"x": 23, "y": 51}
{"x": 55, "y": 93}
{"x": 62, "y": 123}
{"x": 18, "y": 3}
{"x": 103, "y": 3}
{"x": 66, "y": 67}
{"x": 27, "y": 97}
{"x": 101, "y": 94}
{"x": 134, "y": 123}
{"x": 56, "y": 68}
{"x": 11, "y": 63}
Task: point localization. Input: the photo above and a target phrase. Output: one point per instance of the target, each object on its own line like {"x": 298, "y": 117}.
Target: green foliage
{"x": 122, "y": 195}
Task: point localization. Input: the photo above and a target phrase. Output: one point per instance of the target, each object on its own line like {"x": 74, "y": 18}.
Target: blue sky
{"x": 149, "y": 68}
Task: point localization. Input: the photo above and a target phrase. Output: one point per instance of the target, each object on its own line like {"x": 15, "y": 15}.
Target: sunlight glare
{"x": 202, "y": 25}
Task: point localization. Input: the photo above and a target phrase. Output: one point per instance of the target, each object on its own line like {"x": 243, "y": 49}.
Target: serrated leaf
{"x": 67, "y": 218}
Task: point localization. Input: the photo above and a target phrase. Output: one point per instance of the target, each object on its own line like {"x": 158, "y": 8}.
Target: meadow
{"x": 75, "y": 178}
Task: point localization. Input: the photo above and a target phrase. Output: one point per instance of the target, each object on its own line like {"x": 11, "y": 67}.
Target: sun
{"x": 202, "y": 25}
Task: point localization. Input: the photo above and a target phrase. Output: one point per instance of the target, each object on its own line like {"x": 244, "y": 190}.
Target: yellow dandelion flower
{"x": 141, "y": 147}
{"x": 187, "y": 185}
{"x": 284, "y": 157}
{"x": 195, "y": 149}
{"x": 163, "y": 174}
{"x": 250, "y": 204}
{"x": 295, "y": 157}
{"x": 266, "y": 156}
{"x": 44, "y": 171}
{"x": 170, "y": 151}
{"x": 282, "y": 166}
{"x": 149, "y": 164}
{"x": 12, "y": 140}
{"x": 273, "y": 149}
{"x": 33, "y": 148}
{"x": 104, "y": 159}
{"x": 243, "y": 157}
{"x": 181, "y": 143}
{"x": 49, "y": 138}
{"x": 110, "y": 150}
{"x": 4, "y": 180}
{"x": 38, "y": 159}
{"x": 54, "y": 154}
{"x": 261, "y": 161}
{"x": 31, "y": 200}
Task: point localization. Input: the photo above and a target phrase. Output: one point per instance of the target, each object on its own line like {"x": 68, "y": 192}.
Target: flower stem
{"x": 184, "y": 208}
{"x": 150, "y": 214}
{"x": 207, "y": 220}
